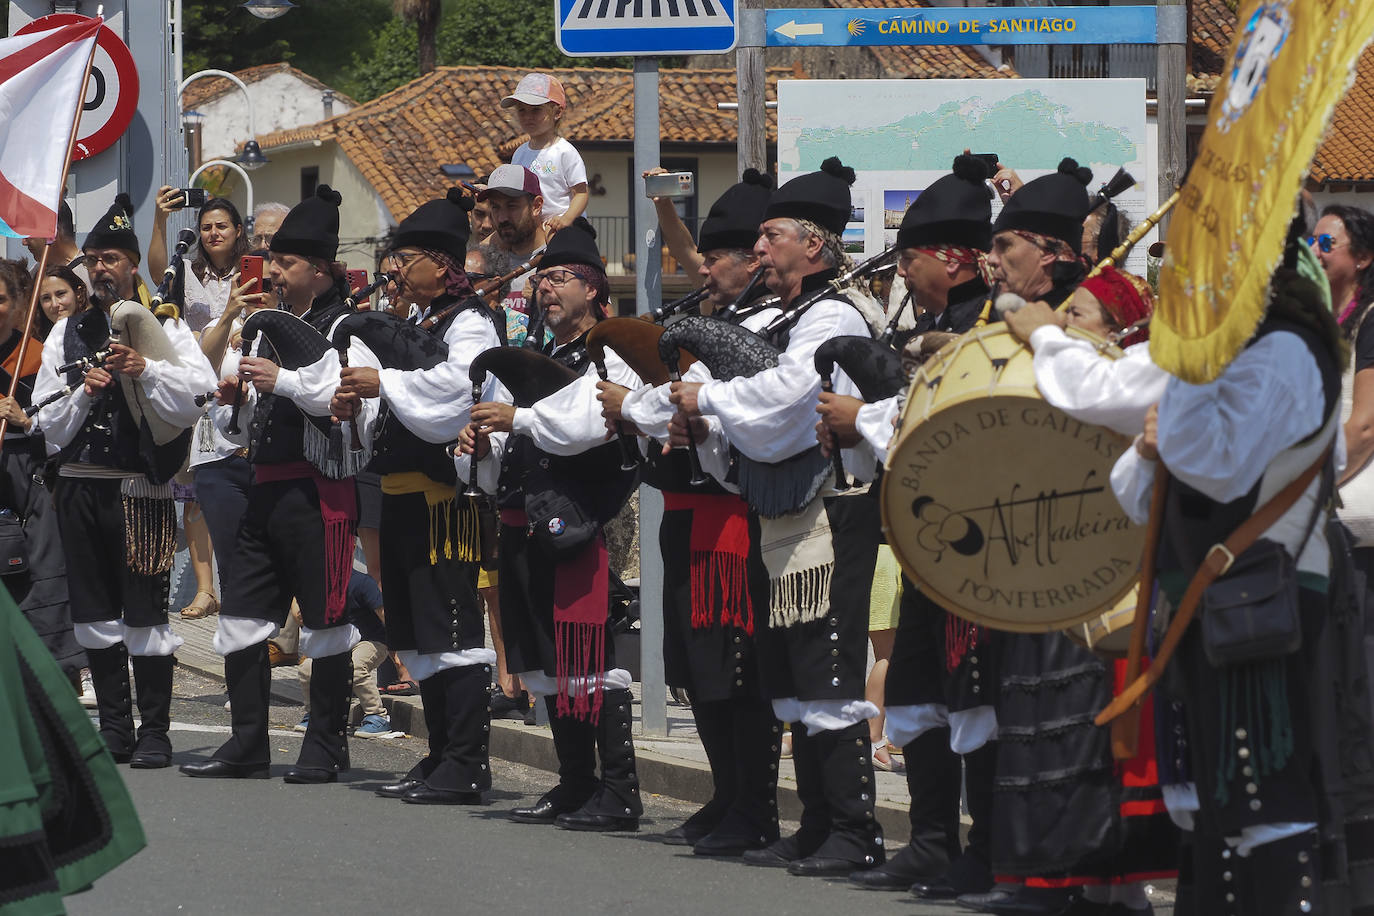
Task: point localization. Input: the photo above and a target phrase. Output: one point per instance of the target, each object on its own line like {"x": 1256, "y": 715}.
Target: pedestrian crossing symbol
{"x": 613, "y": 28}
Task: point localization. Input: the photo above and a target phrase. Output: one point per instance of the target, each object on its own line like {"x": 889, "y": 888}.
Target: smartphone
{"x": 251, "y": 268}
{"x": 193, "y": 197}
{"x": 670, "y": 184}
{"x": 357, "y": 279}
{"x": 991, "y": 159}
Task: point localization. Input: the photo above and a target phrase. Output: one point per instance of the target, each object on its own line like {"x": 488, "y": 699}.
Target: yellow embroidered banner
{"x": 1290, "y": 63}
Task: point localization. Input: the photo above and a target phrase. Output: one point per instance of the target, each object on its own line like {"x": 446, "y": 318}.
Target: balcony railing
{"x": 617, "y": 246}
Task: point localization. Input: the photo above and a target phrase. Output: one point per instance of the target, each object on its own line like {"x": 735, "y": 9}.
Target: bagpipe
{"x": 295, "y": 344}
{"x": 873, "y": 366}
{"x": 397, "y": 344}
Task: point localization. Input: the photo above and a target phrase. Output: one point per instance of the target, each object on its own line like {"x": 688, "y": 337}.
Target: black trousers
{"x": 90, "y": 516}
{"x": 430, "y": 607}
{"x": 280, "y": 555}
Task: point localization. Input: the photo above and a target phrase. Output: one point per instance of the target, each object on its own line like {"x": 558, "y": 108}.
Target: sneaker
{"x": 304, "y": 723}
{"x": 374, "y": 726}
{"x": 88, "y": 699}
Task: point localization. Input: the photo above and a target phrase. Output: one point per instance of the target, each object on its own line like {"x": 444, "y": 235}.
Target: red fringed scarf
{"x": 960, "y": 637}
{"x": 719, "y": 559}
{"x": 339, "y": 513}
{"x": 581, "y": 595}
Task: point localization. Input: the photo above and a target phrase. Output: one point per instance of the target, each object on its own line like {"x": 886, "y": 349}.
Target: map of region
{"x": 1039, "y": 129}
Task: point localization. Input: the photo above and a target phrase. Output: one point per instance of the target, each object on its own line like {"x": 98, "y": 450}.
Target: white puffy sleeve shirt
{"x": 436, "y": 403}
{"x": 771, "y": 415}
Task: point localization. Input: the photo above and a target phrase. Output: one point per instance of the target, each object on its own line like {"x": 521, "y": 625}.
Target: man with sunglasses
{"x": 428, "y": 532}
{"x": 559, "y": 485}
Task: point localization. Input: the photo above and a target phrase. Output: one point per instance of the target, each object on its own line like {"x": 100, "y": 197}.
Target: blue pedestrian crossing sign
{"x": 616, "y": 28}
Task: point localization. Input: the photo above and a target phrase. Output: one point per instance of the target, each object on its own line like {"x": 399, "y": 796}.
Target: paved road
{"x": 263, "y": 847}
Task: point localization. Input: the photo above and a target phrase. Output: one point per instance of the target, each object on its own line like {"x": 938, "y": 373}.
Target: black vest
{"x": 276, "y": 435}
{"x": 110, "y": 437}
{"x": 592, "y": 478}
{"x": 1193, "y": 521}
{"x": 394, "y": 447}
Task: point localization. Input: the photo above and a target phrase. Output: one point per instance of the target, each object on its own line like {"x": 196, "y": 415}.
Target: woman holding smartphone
{"x": 210, "y": 270}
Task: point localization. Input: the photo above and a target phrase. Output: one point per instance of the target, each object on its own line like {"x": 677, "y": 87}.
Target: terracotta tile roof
{"x": 1213, "y": 26}
{"x": 399, "y": 140}
{"x": 925, "y": 61}
{"x": 1347, "y": 153}
{"x": 206, "y": 90}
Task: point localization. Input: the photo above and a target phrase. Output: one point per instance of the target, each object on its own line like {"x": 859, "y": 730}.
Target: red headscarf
{"x": 1127, "y": 298}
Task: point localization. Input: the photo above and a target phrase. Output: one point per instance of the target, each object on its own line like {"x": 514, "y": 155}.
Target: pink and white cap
{"x": 537, "y": 89}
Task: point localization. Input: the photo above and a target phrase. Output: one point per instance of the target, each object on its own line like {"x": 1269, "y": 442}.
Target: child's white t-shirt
{"x": 559, "y": 167}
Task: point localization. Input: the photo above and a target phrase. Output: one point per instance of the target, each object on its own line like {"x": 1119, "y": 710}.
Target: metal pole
{"x": 1172, "y": 91}
{"x": 247, "y": 182}
{"x": 649, "y": 295}
{"x": 751, "y": 83}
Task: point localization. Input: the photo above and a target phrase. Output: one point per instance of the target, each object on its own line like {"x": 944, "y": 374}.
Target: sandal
{"x": 882, "y": 758}
{"x": 198, "y": 609}
{"x": 401, "y": 689}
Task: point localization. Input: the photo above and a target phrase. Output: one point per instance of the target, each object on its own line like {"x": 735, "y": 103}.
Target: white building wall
{"x": 280, "y": 101}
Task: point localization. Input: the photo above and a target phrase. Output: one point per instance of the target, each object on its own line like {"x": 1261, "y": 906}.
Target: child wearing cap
{"x": 539, "y": 101}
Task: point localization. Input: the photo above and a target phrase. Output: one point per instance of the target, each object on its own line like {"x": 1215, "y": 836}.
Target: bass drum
{"x": 1108, "y": 633}
{"x": 1000, "y": 505}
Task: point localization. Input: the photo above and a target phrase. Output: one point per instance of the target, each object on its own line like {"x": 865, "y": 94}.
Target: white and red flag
{"x": 41, "y": 80}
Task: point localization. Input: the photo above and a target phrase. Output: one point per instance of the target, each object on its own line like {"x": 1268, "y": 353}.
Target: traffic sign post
{"x": 1096, "y": 25}
{"x": 616, "y": 28}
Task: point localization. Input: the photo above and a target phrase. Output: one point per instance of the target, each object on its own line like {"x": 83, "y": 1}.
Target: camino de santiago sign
{"x": 1098, "y": 25}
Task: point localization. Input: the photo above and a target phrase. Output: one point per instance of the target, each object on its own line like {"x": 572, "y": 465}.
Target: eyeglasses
{"x": 474, "y": 277}
{"x": 557, "y": 278}
{"x": 1325, "y": 242}
{"x": 108, "y": 259}
{"x": 401, "y": 258}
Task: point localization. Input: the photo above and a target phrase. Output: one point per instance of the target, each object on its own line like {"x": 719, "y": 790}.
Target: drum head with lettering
{"x": 1000, "y": 508}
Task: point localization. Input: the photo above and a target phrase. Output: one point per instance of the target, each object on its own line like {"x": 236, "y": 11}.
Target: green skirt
{"x": 66, "y": 817}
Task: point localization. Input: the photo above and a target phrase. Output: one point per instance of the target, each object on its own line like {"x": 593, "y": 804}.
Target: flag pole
{"x": 43, "y": 258}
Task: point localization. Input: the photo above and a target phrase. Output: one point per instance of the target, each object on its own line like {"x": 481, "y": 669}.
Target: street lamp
{"x": 247, "y": 184}
{"x": 252, "y": 155}
{"x": 268, "y": 9}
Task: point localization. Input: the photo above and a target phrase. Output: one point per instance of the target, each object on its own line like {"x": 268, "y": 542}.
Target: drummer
{"x": 936, "y": 711}
{"x": 1044, "y": 678}
{"x": 1074, "y": 375}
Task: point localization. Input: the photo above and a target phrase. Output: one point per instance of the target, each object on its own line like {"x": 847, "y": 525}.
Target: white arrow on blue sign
{"x": 615, "y": 28}
{"x": 1097, "y": 25}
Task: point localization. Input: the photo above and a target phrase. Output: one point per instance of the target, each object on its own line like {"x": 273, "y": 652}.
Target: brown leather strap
{"x": 1126, "y": 729}
{"x": 1214, "y": 565}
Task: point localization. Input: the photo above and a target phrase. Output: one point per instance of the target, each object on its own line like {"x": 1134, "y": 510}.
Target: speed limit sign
{"x": 111, "y": 92}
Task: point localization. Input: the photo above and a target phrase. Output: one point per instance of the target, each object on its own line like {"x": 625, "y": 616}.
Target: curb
{"x": 659, "y": 774}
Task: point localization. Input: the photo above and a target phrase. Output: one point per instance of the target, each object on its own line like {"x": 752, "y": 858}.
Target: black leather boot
{"x": 574, "y": 740}
{"x": 464, "y": 770}
{"x": 110, "y": 675}
{"x": 1279, "y": 878}
{"x": 616, "y": 805}
{"x": 855, "y": 840}
{"x": 248, "y": 678}
{"x": 433, "y": 705}
{"x": 970, "y": 872}
{"x": 932, "y": 779}
{"x": 324, "y": 752}
{"x": 714, "y": 728}
{"x": 153, "y": 684}
{"x": 751, "y": 822}
{"x": 815, "y": 817}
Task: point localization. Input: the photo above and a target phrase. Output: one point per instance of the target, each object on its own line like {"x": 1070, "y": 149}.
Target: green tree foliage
{"x": 319, "y": 37}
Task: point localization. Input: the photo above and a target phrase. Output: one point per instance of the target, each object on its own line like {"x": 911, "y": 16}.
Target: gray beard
{"x": 104, "y": 293}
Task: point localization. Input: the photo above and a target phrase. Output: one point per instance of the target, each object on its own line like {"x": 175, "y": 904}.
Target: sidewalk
{"x": 674, "y": 765}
